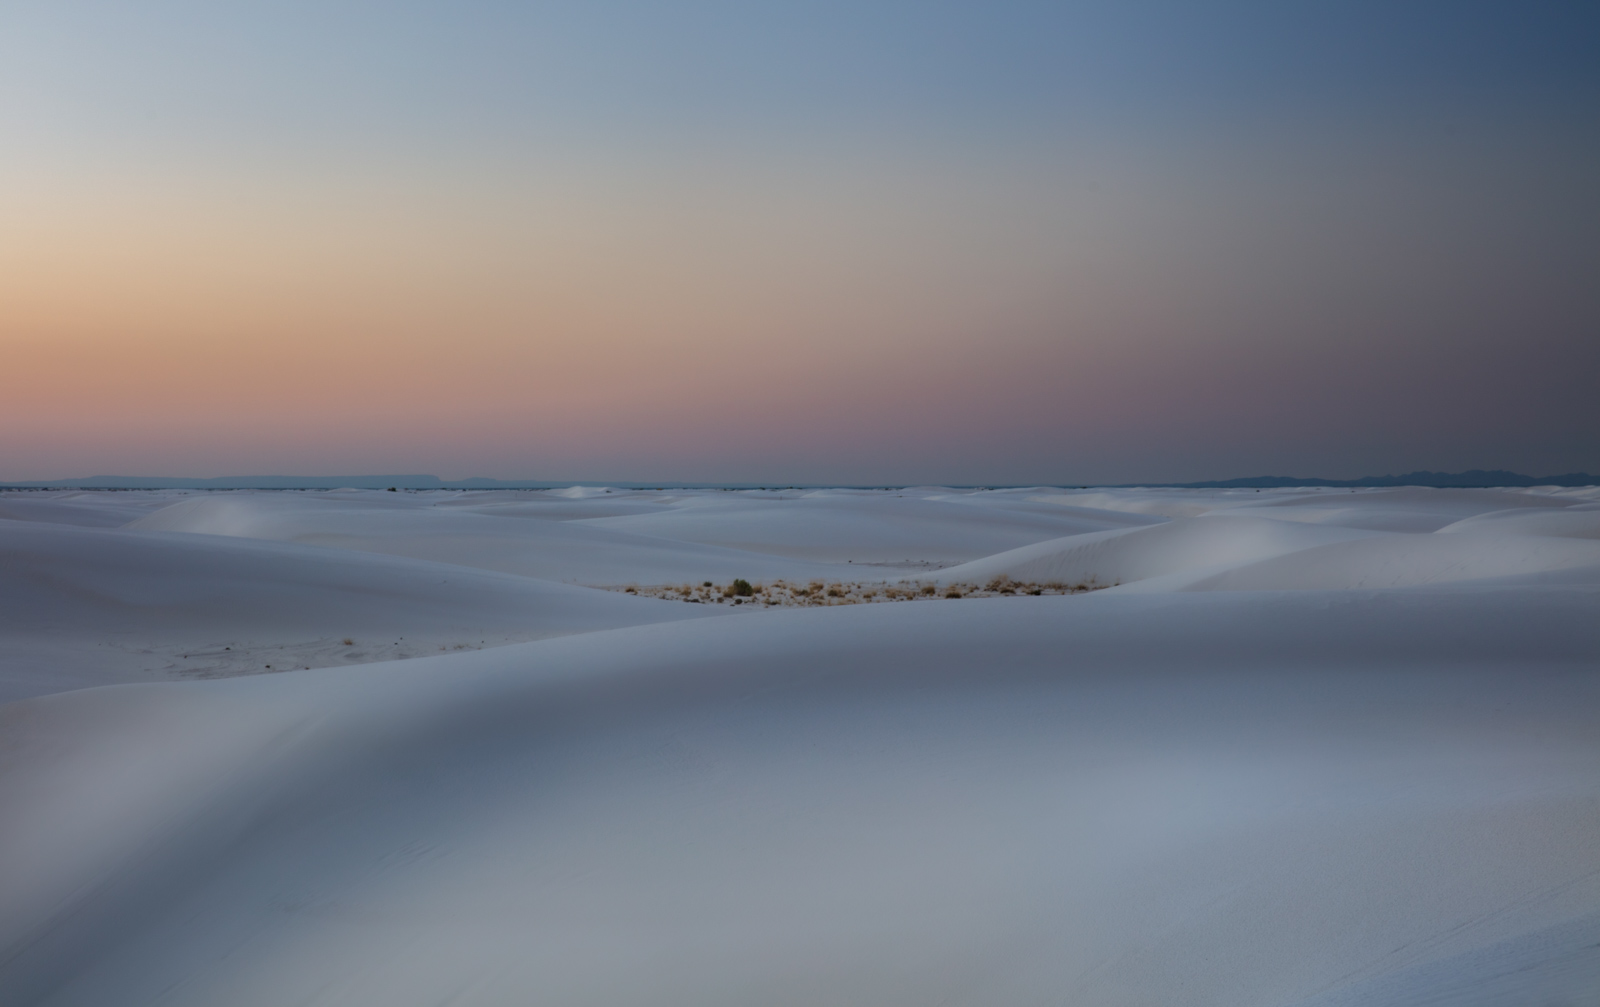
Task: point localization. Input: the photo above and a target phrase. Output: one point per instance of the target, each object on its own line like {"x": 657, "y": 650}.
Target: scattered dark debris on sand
{"x": 819, "y": 593}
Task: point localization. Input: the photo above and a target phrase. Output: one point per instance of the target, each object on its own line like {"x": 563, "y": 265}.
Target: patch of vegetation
{"x": 820, "y": 593}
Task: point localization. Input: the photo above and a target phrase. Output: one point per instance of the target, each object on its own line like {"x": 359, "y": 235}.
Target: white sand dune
{"x": 1154, "y": 503}
{"x": 82, "y": 607}
{"x": 408, "y": 525}
{"x": 838, "y": 526}
{"x": 1199, "y": 799}
{"x": 87, "y": 509}
{"x": 1121, "y": 557}
{"x": 1319, "y": 542}
{"x": 1403, "y": 509}
{"x": 1407, "y": 509}
{"x": 1412, "y": 560}
{"x": 1319, "y": 748}
{"x": 1571, "y": 522}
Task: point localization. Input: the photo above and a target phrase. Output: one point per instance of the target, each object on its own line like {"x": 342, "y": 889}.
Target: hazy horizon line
{"x": 1468, "y": 479}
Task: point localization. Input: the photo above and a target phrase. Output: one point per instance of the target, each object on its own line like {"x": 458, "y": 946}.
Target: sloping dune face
{"x": 1190, "y": 802}
{"x": 84, "y": 606}
{"x": 1121, "y": 557}
{"x": 615, "y": 537}
{"x": 1316, "y": 540}
{"x": 1314, "y": 748}
{"x": 1413, "y": 561}
{"x": 1569, "y": 522}
{"x": 866, "y": 527}
{"x": 416, "y": 526}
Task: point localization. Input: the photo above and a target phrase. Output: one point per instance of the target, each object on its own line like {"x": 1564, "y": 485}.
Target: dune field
{"x": 1242, "y": 748}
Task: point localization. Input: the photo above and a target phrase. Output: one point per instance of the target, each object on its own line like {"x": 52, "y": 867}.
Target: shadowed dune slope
{"x": 1121, "y": 557}
{"x": 84, "y": 606}
{"x": 867, "y": 527}
{"x": 1402, "y": 561}
{"x": 410, "y": 525}
{"x": 1209, "y": 799}
{"x": 1573, "y": 522}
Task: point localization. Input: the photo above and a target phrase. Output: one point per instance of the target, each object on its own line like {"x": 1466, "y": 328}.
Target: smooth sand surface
{"x": 89, "y": 606}
{"x": 1317, "y": 748}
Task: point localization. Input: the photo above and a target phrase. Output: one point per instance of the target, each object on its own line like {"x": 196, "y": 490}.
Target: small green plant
{"x": 742, "y": 588}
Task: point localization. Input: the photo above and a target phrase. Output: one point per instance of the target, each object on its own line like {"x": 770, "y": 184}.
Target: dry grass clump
{"x": 818, "y": 593}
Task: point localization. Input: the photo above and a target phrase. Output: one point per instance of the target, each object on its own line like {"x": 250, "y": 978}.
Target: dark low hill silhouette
{"x": 1473, "y": 479}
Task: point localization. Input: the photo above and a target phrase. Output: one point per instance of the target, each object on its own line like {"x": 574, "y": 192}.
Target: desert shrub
{"x": 1036, "y": 590}
{"x": 954, "y": 592}
{"x": 835, "y": 592}
{"x": 929, "y": 589}
{"x": 742, "y": 588}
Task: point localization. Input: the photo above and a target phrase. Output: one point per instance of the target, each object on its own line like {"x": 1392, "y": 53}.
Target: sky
{"x": 859, "y": 243}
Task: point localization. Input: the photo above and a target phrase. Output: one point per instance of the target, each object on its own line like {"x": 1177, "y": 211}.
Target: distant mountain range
{"x": 1473, "y": 479}
{"x": 1476, "y": 478}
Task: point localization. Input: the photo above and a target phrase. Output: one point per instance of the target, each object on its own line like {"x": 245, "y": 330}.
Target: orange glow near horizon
{"x": 879, "y": 319}
{"x": 198, "y": 318}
